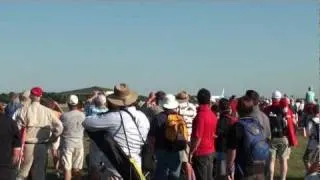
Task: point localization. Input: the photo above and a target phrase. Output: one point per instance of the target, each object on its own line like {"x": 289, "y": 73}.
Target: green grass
{"x": 296, "y": 167}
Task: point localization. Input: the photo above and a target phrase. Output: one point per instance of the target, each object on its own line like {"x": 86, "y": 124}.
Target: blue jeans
{"x": 168, "y": 165}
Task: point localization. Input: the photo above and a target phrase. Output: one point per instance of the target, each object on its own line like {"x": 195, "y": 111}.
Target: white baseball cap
{"x": 73, "y": 100}
{"x": 276, "y": 95}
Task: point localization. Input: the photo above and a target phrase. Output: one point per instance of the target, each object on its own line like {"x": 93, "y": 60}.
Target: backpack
{"x": 277, "y": 124}
{"x": 255, "y": 148}
{"x": 315, "y": 135}
{"x": 224, "y": 124}
{"x": 176, "y": 133}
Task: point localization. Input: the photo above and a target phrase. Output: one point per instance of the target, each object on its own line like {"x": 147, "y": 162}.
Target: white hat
{"x": 73, "y": 100}
{"x": 101, "y": 99}
{"x": 276, "y": 95}
{"x": 170, "y": 102}
{"x": 26, "y": 93}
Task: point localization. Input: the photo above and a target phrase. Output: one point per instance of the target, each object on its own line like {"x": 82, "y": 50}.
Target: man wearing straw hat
{"x": 127, "y": 125}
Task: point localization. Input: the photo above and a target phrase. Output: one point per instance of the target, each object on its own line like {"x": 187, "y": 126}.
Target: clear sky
{"x": 170, "y": 46}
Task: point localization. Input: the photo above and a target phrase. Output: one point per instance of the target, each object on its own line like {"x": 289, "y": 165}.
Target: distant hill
{"x": 85, "y": 91}
{"x": 61, "y": 97}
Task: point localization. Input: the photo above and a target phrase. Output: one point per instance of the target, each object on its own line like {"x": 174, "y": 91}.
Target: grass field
{"x": 296, "y": 168}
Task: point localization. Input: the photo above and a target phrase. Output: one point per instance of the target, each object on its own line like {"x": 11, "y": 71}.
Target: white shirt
{"x": 112, "y": 123}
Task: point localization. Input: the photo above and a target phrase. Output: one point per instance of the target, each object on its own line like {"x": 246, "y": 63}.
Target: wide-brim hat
{"x": 170, "y": 102}
{"x": 122, "y": 96}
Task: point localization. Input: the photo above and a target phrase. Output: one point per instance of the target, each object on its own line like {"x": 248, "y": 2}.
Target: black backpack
{"x": 315, "y": 135}
{"x": 277, "y": 124}
{"x": 224, "y": 124}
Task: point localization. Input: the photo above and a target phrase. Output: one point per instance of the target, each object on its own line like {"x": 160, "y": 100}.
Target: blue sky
{"x": 170, "y": 46}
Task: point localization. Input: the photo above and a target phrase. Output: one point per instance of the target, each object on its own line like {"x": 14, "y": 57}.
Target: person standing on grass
{"x": 54, "y": 148}
{"x": 96, "y": 157}
{"x": 258, "y": 114}
{"x": 10, "y": 147}
{"x": 313, "y": 128}
{"x": 71, "y": 146}
{"x": 248, "y": 150}
{"x": 225, "y": 122}
{"x": 279, "y": 136}
{"x": 41, "y": 127}
{"x": 168, "y": 156}
{"x": 188, "y": 111}
{"x": 203, "y": 138}
{"x": 127, "y": 125}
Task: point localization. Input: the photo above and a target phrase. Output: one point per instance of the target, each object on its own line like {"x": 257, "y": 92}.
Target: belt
{"x": 36, "y": 143}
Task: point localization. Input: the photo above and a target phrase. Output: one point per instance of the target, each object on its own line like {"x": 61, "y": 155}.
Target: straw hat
{"x": 182, "y": 97}
{"x": 122, "y": 95}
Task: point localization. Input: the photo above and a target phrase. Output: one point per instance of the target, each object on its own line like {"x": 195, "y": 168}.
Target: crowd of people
{"x": 164, "y": 137}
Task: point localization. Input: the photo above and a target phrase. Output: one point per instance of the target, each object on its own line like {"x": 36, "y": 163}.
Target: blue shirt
{"x": 11, "y": 108}
{"x": 91, "y": 110}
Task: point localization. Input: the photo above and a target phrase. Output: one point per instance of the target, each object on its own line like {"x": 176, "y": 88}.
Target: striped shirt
{"x": 188, "y": 111}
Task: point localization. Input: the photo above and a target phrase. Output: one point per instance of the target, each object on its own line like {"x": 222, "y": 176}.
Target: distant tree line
{"x": 61, "y": 98}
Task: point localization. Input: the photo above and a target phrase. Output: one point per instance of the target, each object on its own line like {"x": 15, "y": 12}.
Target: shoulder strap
{"x": 125, "y": 133}
{"x": 135, "y": 122}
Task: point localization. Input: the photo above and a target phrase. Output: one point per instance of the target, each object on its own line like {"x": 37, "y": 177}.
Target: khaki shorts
{"x": 280, "y": 148}
{"x": 72, "y": 158}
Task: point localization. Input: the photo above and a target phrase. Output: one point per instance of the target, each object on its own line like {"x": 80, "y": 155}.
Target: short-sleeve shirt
{"x": 204, "y": 128}
{"x": 312, "y": 131}
{"x": 72, "y": 135}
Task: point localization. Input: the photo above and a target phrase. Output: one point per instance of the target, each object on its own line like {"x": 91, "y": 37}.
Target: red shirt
{"x": 204, "y": 128}
{"x": 292, "y": 136}
{"x": 233, "y": 106}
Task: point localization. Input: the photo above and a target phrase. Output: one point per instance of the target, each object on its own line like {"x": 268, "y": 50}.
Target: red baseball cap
{"x": 37, "y": 91}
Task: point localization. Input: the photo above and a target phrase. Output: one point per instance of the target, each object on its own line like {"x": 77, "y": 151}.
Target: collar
{"x": 204, "y": 107}
{"x": 184, "y": 104}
